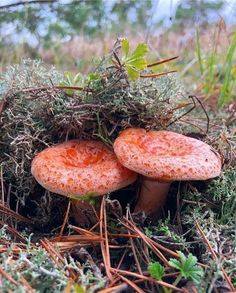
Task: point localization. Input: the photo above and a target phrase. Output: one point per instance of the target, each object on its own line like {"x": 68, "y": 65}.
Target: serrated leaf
{"x": 132, "y": 72}
{"x": 187, "y": 266}
{"x": 156, "y": 270}
{"x": 174, "y": 263}
{"x": 125, "y": 47}
{"x": 139, "y": 63}
{"x": 140, "y": 51}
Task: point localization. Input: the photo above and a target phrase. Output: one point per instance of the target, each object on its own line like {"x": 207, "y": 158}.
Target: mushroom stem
{"x": 152, "y": 197}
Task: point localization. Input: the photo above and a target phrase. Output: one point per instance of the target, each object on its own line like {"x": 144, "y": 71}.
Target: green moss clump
{"x": 36, "y": 114}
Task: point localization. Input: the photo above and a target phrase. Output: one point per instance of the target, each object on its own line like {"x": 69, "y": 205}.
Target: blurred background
{"x": 69, "y": 34}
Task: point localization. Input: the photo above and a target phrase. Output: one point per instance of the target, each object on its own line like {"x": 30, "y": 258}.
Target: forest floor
{"x": 190, "y": 248}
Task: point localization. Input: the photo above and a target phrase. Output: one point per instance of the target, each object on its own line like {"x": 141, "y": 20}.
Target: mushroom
{"x": 163, "y": 157}
{"x": 79, "y": 168}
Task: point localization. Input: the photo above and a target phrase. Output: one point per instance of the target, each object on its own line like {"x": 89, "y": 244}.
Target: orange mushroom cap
{"x": 80, "y": 167}
{"x": 166, "y": 156}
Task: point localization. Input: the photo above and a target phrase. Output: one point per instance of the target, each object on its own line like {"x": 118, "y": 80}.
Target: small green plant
{"x": 188, "y": 268}
{"x": 217, "y": 71}
{"x": 163, "y": 228}
{"x": 71, "y": 81}
{"x": 156, "y": 270}
{"x": 134, "y": 62}
{"x": 228, "y": 75}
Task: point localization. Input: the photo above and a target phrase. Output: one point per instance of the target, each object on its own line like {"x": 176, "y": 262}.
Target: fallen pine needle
{"x": 131, "y": 284}
{"x": 7, "y": 276}
{"x": 161, "y": 283}
{"x": 65, "y": 219}
{"x": 104, "y": 243}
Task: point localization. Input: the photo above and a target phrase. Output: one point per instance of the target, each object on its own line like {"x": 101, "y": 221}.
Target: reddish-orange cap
{"x": 166, "y": 155}
{"x": 79, "y": 167}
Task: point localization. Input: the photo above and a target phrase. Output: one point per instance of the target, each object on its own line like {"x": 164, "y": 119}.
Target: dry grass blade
{"x": 227, "y": 278}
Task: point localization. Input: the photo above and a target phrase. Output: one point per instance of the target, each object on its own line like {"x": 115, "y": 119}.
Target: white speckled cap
{"x": 80, "y": 167}
{"x": 166, "y": 156}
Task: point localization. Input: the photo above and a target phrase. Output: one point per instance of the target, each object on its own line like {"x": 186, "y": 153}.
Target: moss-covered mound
{"x": 38, "y": 110}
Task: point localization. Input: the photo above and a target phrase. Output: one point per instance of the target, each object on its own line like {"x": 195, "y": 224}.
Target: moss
{"x": 37, "y": 115}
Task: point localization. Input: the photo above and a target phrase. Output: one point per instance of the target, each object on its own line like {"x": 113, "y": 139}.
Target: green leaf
{"x": 77, "y": 79}
{"x": 132, "y": 72}
{"x": 89, "y": 197}
{"x": 156, "y": 270}
{"x": 140, "y": 51}
{"x": 225, "y": 94}
{"x": 139, "y": 63}
{"x": 135, "y": 62}
{"x": 79, "y": 289}
{"x": 68, "y": 78}
{"x": 93, "y": 76}
{"x": 125, "y": 47}
{"x": 188, "y": 267}
{"x": 174, "y": 263}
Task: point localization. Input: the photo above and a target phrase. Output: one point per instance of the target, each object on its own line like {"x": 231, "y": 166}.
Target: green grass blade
{"x": 199, "y": 51}
{"x": 228, "y": 81}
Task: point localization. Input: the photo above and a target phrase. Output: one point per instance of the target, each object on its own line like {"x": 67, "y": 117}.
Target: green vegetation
{"x": 218, "y": 71}
{"x": 156, "y": 270}
{"x": 188, "y": 268}
{"x": 95, "y": 90}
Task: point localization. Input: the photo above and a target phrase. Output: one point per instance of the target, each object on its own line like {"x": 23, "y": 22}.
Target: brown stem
{"x": 152, "y": 197}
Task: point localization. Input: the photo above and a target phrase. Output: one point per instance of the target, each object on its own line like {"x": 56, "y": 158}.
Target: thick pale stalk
{"x": 152, "y": 196}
